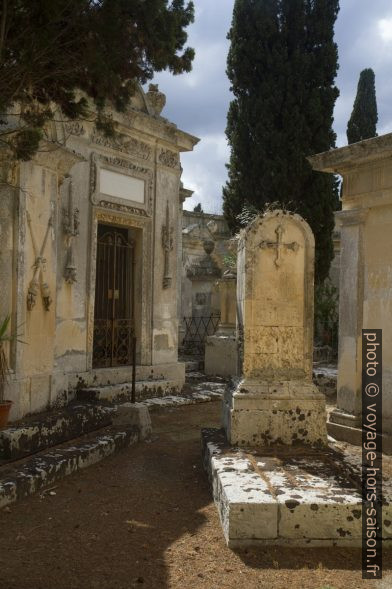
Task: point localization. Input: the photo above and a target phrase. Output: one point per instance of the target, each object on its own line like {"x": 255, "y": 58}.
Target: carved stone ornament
{"x": 278, "y": 245}
{"x": 123, "y": 143}
{"x": 167, "y": 244}
{"x": 74, "y": 128}
{"x": 71, "y": 230}
{"x": 37, "y": 282}
{"x": 128, "y": 168}
{"x": 169, "y": 158}
{"x": 156, "y": 99}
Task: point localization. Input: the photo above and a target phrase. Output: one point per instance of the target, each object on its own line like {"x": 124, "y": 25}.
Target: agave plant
{"x": 4, "y": 368}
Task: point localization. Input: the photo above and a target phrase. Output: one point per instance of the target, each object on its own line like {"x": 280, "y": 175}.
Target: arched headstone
{"x": 276, "y": 401}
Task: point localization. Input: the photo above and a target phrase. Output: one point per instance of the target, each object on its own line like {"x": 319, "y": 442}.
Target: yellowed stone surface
{"x": 276, "y": 401}
{"x": 366, "y": 271}
{"x": 221, "y": 350}
{"x": 131, "y": 181}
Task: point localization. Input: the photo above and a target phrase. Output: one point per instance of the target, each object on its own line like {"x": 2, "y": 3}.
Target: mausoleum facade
{"x": 89, "y": 252}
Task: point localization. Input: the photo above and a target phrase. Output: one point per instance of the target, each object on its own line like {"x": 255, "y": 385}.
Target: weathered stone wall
{"x": 199, "y": 296}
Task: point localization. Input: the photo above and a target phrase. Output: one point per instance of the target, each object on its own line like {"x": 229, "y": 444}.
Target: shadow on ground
{"x": 144, "y": 518}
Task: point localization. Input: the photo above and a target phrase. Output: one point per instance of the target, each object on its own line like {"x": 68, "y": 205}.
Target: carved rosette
{"x": 169, "y": 158}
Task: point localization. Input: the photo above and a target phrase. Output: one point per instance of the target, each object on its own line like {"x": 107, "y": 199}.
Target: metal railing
{"x": 196, "y": 331}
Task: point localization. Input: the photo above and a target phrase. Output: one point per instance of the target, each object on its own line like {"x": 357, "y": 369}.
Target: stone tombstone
{"x": 276, "y": 401}
{"x": 221, "y": 356}
{"x": 228, "y": 302}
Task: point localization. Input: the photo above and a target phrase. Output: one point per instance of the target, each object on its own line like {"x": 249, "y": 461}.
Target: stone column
{"x": 276, "y": 401}
{"x": 365, "y": 274}
{"x": 221, "y": 348}
{"x": 183, "y": 195}
{"x": 351, "y": 289}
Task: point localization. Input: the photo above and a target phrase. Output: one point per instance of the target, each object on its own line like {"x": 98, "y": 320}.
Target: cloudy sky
{"x": 197, "y": 102}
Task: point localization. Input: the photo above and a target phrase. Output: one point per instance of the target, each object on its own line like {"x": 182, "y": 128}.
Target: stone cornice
{"x": 57, "y": 157}
{"x": 351, "y": 217}
{"x": 185, "y": 193}
{"x": 157, "y": 127}
{"x": 343, "y": 159}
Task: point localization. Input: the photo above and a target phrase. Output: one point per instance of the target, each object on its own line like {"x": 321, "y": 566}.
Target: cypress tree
{"x": 282, "y": 64}
{"x": 364, "y": 117}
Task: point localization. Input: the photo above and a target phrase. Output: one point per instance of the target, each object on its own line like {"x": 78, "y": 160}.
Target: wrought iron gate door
{"x": 114, "y": 297}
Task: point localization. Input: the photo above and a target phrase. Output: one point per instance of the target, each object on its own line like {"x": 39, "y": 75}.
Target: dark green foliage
{"x": 282, "y": 64}
{"x": 198, "y": 208}
{"x": 326, "y": 312}
{"x": 363, "y": 120}
{"x": 50, "y": 49}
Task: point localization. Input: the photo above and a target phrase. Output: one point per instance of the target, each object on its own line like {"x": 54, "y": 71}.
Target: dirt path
{"x": 144, "y": 518}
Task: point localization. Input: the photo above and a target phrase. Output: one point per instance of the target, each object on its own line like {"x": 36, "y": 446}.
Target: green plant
{"x": 230, "y": 261}
{"x": 326, "y": 312}
{"x": 4, "y": 367}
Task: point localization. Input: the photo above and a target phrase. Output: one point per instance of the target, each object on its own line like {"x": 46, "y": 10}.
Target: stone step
{"x": 192, "y": 366}
{"x": 179, "y": 400}
{"x": 116, "y": 393}
{"x": 44, "y": 469}
{"x": 49, "y": 429}
{"x": 100, "y": 377}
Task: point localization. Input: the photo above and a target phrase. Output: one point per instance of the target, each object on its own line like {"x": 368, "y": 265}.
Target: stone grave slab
{"x": 287, "y": 495}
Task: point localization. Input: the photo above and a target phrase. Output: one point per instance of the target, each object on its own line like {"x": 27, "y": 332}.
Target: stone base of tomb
{"x": 347, "y": 428}
{"x": 221, "y": 355}
{"x": 287, "y": 496}
{"x": 262, "y": 413}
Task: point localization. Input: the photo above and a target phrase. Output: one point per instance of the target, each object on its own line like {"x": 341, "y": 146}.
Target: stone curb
{"x": 44, "y": 469}
{"x": 22, "y": 479}
{"x": 51, "y": 429}
{"x": 176, "y": 401}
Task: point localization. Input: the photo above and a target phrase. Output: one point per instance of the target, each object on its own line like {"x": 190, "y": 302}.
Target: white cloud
{"x": 385, "y": 29}
{"x": 205, "y": 172}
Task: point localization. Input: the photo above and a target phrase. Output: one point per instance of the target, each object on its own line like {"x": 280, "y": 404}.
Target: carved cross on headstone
{"x": 279, "y": 245}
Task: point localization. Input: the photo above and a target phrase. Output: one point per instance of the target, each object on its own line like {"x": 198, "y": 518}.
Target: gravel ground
{"x": 145, "y": 518}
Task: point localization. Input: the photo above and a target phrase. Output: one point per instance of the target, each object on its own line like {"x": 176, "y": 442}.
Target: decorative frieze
{"x": 123, "y": 143}
{"x": 169, "y": 158}
{"x": 123, "y": 208}
{"x": 74, "y": 128}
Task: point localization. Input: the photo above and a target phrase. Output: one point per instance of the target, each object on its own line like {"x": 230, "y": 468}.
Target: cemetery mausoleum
{"x": 90, "y": 245}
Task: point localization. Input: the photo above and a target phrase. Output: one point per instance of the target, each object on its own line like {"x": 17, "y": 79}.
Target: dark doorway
{"x": 114, "y": 298}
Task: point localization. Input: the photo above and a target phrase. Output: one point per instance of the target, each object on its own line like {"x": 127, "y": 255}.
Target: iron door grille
{"x": 114, "y": 298}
